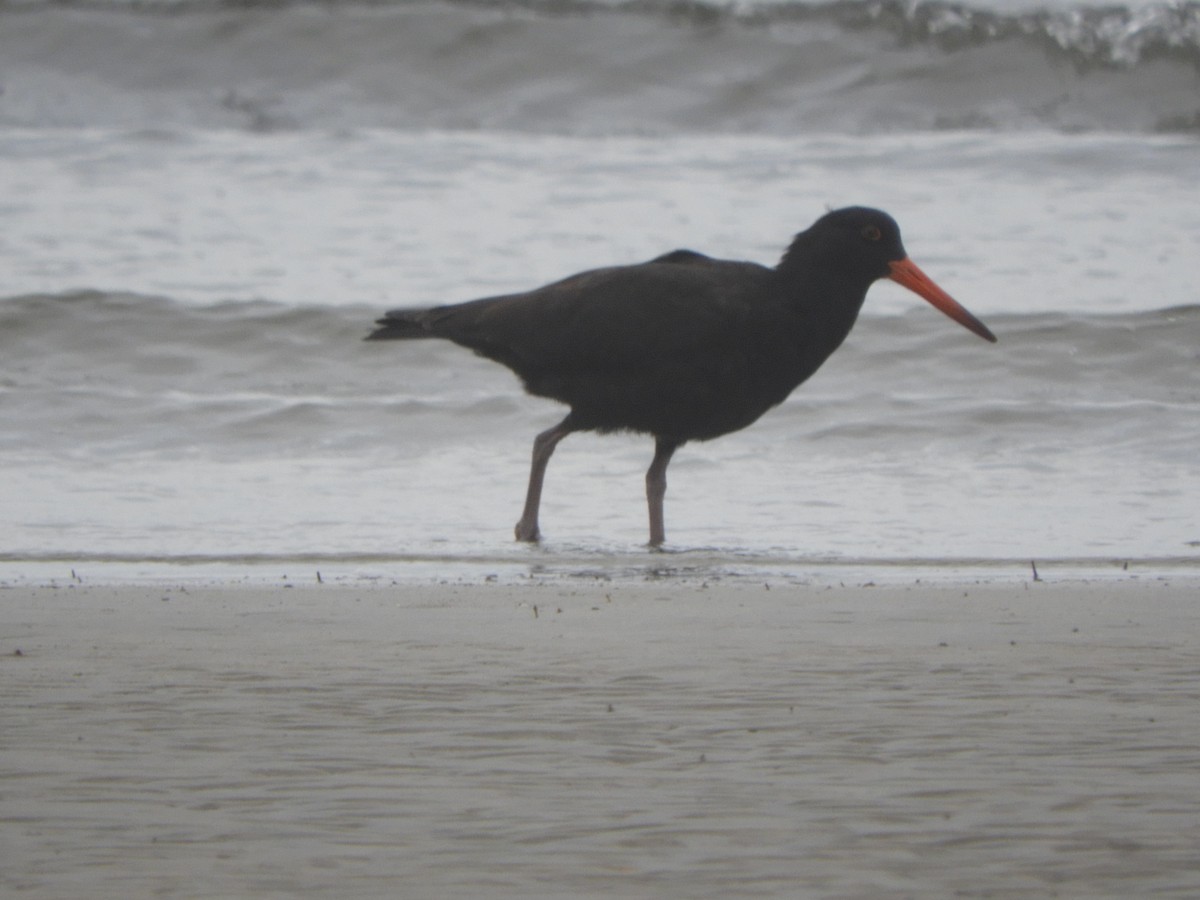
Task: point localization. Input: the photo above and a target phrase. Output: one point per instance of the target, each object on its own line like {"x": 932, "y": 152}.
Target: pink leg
{"x": 656, "y": 488}
{"x": 543, "y": 448}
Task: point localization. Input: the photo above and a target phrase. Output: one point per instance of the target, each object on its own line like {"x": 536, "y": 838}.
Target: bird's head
{"x": 864, "y": 244}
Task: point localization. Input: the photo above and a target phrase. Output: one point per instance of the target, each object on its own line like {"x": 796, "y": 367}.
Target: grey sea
{"x": 205, "y": 205}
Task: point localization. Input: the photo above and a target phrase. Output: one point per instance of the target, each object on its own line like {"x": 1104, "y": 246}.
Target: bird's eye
{"x": 872, "y": 232}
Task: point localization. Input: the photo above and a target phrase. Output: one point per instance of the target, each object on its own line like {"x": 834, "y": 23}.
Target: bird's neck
{"x": 826, "y": 302}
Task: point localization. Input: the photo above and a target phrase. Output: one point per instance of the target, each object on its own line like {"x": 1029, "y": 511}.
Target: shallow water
{"x": 142, "y": 429}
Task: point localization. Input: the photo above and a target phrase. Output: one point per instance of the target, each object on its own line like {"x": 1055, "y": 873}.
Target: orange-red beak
{"x": 905, "y": 272}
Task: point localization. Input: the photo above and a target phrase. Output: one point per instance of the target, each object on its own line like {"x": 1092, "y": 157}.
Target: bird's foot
{"x": 527, "y": 532}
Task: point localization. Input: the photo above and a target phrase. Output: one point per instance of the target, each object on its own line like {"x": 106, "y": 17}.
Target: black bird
{"x": 683, "y": 347}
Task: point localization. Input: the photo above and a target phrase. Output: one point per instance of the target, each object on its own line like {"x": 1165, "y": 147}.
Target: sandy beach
{"x": 590, "y": 739}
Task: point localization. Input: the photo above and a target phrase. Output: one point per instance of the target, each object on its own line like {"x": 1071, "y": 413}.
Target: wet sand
{"x": 601, "y": 740}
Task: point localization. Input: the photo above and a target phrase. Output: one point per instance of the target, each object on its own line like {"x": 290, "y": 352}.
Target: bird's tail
{"x": 402, "y": 325}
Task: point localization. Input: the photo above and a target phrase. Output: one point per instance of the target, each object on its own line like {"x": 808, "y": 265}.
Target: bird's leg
{"x": 656, "y": 488}
{"x": 543, "y": 448}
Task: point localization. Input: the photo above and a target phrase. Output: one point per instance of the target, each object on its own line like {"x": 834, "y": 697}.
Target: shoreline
{"x": 533, "y": 565}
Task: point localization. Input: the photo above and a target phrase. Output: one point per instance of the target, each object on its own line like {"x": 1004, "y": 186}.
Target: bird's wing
{"x": 621, "y": 317}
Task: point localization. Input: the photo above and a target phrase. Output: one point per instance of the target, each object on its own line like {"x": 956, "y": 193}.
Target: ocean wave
{"x": 87, "y": 368}
{"x": 125, "y": 329}
{"x": 277, "y": 429}
{"x": 1104, "y": 34}
{"x": 587, "y": 66}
